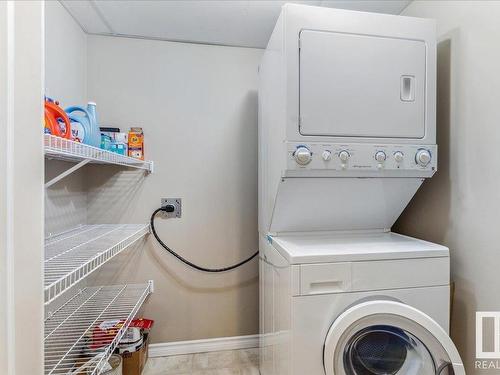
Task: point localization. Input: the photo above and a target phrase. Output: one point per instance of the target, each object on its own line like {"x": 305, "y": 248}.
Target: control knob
{"x": 380, "y": 156}
{"x": 423, "y": 157}
{"x": 302, "y": 155}
{"x": 398, "y": 156}
{"x": 344, "y": 156}
{"x": 326, "y": 155}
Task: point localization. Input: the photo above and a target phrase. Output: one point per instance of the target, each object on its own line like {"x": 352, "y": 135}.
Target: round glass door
{"x": 384, "y": 349}
{"x": 389, "y": 338}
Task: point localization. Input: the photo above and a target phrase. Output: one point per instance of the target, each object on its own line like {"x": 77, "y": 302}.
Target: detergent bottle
{"x": 86, "y": 122}
{"x": 56, "y": 121}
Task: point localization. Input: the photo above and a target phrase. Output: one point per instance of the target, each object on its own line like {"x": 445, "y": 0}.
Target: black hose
{"x": 187, "y": 262}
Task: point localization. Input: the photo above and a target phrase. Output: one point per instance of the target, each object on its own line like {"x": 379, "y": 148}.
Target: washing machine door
{"x": 389, "y": 338}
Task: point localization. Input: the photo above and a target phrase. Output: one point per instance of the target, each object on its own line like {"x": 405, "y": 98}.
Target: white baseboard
{"x": 203, "y": 346}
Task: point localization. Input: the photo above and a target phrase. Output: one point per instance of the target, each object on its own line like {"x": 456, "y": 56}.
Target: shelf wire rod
{"x": 61, "y": 266}
{"x": 84, "y": 243}
{"x": 64, "y": 149}
{"x": 66, "y": 270}
{"x": 125, "y": 242}
{"x": 51, "y": 240}
{"x": 90, "y": 326}
{"x": 128, "y": 298}
{"x": 70, "y": 315}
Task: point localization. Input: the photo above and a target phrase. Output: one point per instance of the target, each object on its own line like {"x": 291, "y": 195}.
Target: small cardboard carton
{"x": 133, "y": 363}
{"x": 136, "y": 143}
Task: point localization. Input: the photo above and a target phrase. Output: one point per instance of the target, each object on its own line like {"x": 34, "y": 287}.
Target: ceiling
{"x": 224, "y": 22}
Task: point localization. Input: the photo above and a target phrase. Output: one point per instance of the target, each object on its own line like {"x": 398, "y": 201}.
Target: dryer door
{"x": 361, "y": 86}
{"x": 386, "y": 337}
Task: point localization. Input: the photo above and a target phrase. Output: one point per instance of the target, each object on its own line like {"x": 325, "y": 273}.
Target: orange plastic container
{"x": 56, "y": 120}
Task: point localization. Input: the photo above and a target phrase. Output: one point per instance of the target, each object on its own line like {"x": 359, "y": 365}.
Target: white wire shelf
{"x": 65, "y": 149}
{"x": 76, "y": 340}
{"x": 73, "y": 255}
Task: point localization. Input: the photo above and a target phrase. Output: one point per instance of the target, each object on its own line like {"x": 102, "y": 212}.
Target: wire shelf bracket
{"x": 67, "y": 150}
{"x": 81, "y": 335}
{"x": 73, "y": 255}
{"x": 67, "y": 172}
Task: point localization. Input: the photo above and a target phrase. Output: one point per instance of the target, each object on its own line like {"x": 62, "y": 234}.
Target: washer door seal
{"x": 388, "y": 338}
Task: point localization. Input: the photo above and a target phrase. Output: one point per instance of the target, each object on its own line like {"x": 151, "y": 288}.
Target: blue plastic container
{"x": 87, "y": 119}
{"x": 106, "y": 142}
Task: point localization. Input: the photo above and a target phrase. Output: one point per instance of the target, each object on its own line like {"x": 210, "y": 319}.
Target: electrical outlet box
{"x": 177, "y": 203}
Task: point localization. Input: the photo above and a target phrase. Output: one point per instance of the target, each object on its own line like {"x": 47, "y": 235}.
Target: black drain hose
{"x": 170, "y": 208}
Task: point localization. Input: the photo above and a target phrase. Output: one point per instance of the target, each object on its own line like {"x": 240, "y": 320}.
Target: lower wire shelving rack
{"x": 72, "y": 255}
{"x": 78, "y": 338}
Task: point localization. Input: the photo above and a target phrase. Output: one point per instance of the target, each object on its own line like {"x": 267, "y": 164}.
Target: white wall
{"x": 198, "y": 107}
{"x": 21, "y": 204}
{"x": 459, "y": 207}
{"x": 65, "y": 56}
{"x": 65, "y": 81}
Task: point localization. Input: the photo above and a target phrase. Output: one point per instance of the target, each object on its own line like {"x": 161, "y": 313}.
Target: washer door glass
{"x": 383, "y": 350}
{"x": 388, "y": 338}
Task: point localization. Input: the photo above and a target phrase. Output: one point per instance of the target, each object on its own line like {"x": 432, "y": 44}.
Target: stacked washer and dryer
{"x": 347, "y": 135}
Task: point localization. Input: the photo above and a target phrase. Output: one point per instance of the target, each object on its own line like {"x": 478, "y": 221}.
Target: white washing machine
{"x": 364, "y": 304}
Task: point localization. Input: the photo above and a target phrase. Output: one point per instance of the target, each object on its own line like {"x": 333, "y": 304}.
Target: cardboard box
{"x": 136, "y": 143}
{"x": 133, "y": 363}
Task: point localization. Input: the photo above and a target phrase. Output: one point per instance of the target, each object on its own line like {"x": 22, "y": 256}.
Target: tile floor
{"x": 231, "y": 362}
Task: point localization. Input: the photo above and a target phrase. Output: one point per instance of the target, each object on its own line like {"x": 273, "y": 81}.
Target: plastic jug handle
{"x": 77, "y": 109}
{"x": 50, "y": 123}
{"x": 56, "y": 112}
{"x": 75, "y": 118}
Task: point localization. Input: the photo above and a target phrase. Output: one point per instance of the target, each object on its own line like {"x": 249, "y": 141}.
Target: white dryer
{"x": 365, "y": 304}
{"x": 347, "y": 130}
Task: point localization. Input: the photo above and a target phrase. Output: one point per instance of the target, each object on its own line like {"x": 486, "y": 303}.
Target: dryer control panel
{"x": 361, "y": 157}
